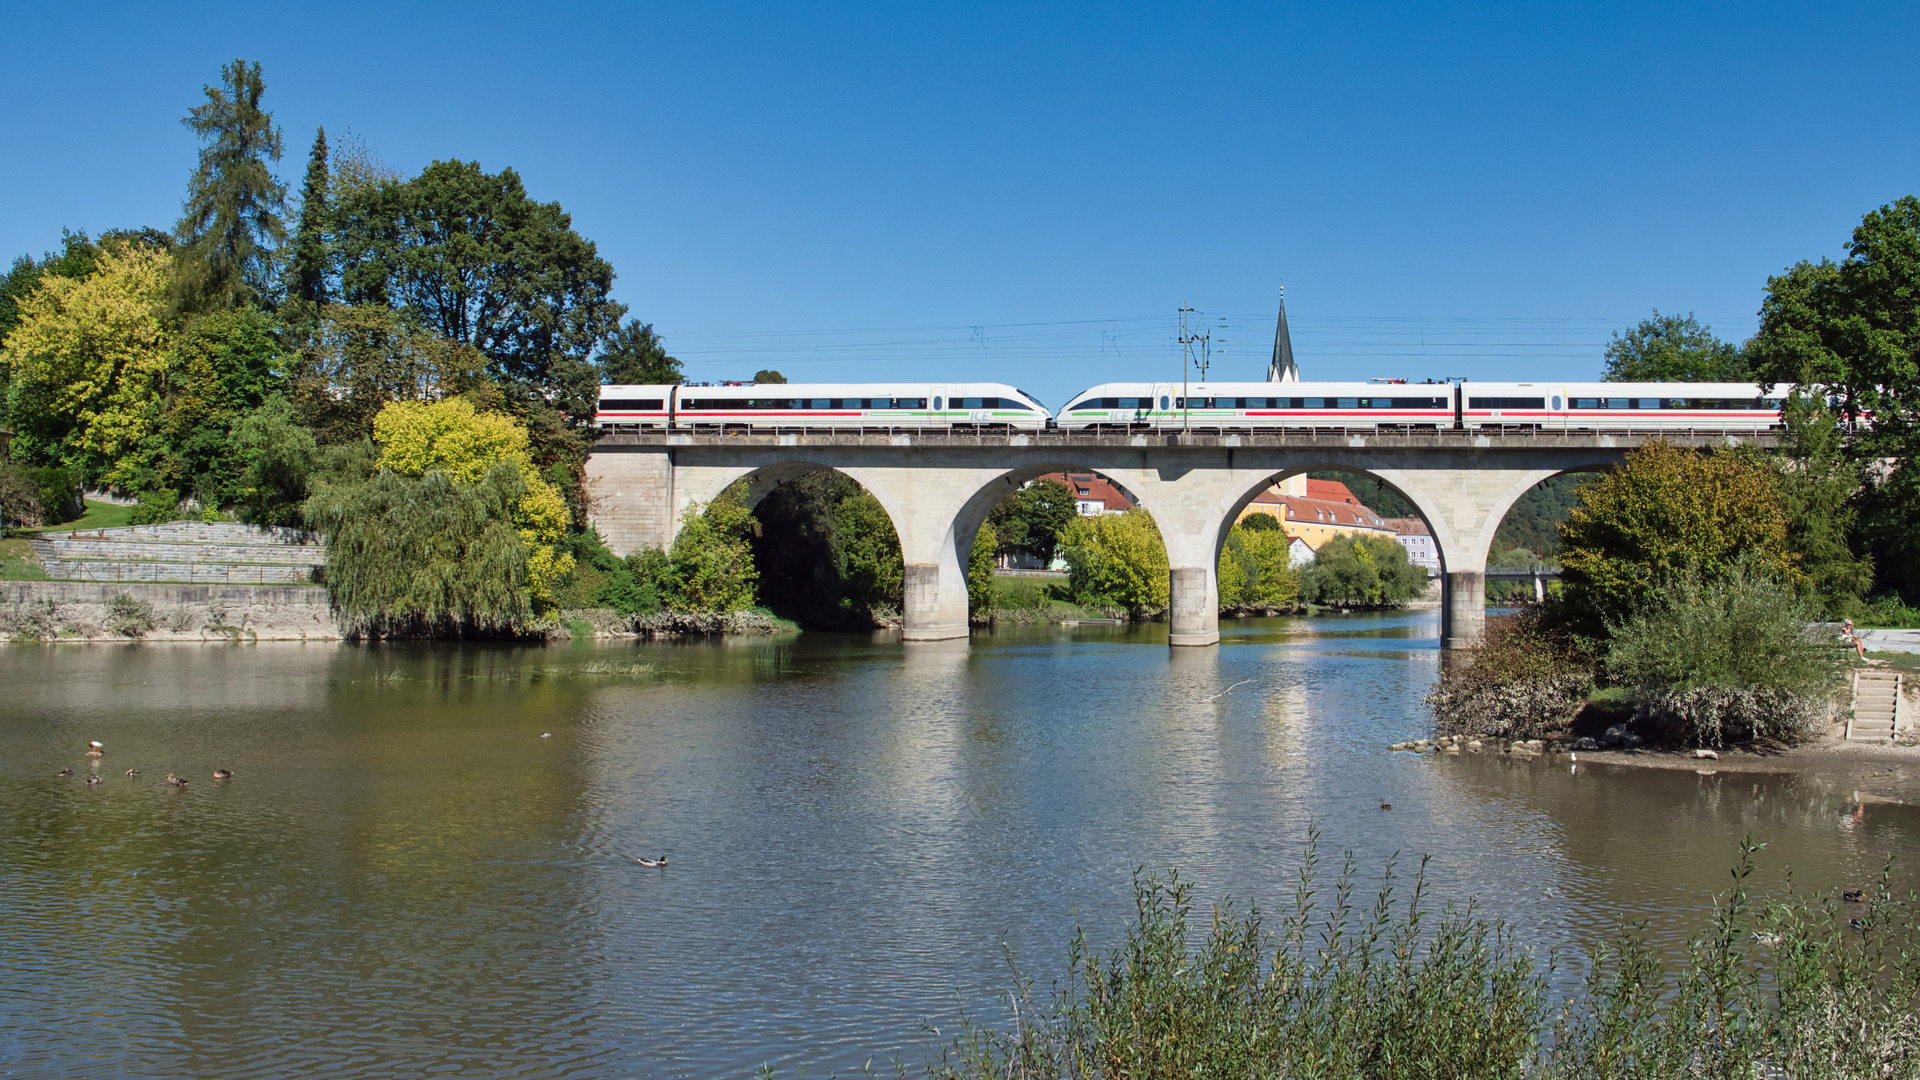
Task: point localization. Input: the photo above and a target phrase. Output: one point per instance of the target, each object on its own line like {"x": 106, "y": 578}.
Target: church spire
{"x": 1282, "y": 369}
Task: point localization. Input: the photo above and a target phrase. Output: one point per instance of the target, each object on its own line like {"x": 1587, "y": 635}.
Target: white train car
{"x": 1251, "y": 406}
{"x": 845, "y": 406}
{"x": 1622, "y": 406}
{"x": 635, "y": 407}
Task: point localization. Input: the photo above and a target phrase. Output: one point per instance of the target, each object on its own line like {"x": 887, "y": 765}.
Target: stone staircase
{"x": 1876, "y": 694}
{"x": 183, "y": 551}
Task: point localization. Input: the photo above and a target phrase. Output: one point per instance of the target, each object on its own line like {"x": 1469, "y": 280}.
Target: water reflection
{"x": 404, "y": 876}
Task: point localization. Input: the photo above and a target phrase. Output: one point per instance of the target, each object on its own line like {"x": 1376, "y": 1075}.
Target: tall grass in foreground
{"x": 1780, "y": 987}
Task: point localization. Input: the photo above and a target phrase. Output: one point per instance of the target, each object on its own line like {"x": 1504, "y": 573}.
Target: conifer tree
{"x": 231, "y": 227}
{"x": 307, "y": 266}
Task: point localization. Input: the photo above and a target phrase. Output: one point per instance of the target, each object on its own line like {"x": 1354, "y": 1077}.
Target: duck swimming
{"x": 93, "y": 780}
{"x": 133, "y": 772}
{"x": 223, "y": 774}
{"x": 64, "y": 772}
{"x": 175, "y": 781}
{"x": 95, "y": 748}
{"x": 661, "y": 861}
{"x": 1854, "y": 896}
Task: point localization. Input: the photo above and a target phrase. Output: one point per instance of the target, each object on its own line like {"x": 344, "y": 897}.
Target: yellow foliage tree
{"x": 1118, "y": 559}
{"x": 452, "y": 437}
{"x": 87, "y": 364}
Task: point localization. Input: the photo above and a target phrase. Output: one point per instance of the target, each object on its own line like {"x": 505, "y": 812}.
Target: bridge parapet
{"x": 1302, "y": 438}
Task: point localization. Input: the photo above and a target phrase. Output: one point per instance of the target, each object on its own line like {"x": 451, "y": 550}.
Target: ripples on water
{"x": 403, "y": 878}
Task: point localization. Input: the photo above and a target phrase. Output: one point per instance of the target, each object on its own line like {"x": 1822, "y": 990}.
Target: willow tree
{"x": 425, "y": 557}
{"x": 231, "y": 225}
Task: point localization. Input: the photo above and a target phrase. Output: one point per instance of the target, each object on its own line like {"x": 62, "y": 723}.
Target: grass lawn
{"x": 98, "y": 516}
{"x": 1898, "y": 661}
{"x": 17, "y": 563}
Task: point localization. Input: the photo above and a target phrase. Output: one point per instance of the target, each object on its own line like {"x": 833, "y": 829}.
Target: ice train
{"x": 1206, "y": 408}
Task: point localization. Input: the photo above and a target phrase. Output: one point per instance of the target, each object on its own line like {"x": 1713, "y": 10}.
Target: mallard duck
{"x": 661, "y": 861}
{"x": 64, "y": 772}
{"x": 95, "y": 748}
{"x": 175, "y": 781}
{"x": 1854, "y": 896}
{"x": 1858, "y": 924}
{"x": 133, "y": 772}
{"x": 93, "y": 779}
{"x": 223, "y": 774}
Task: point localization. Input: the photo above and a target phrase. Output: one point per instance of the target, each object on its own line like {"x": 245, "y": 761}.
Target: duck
{"x": 93, "y": 780}
{"x": 1385, "y": 805}
{"x": 546, "y": 734}
{"x": 95, "y": 748}
{"x": 1854, "y": 896}
{"x": 1858, "y": 924}
{"x": 133, "y": 772}
{"x": 661, "y": 861}
{"x": 175, "y": 781}
{"x": 223, "y": 774}
{"x": 64, "y": 772}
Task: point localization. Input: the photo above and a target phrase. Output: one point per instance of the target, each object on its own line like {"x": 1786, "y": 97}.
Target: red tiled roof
{"x": 1412, "y": 526}
{"x": 1090, "y": 486}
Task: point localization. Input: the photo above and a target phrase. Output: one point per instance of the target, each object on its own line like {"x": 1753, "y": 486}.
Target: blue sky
{"x": 1028, "y": 193}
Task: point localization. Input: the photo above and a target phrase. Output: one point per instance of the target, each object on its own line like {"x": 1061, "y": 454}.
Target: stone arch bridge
{"x": 938, "y": 488}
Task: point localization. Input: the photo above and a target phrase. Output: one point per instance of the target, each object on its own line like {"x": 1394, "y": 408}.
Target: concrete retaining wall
{"x": 86, "y": 611}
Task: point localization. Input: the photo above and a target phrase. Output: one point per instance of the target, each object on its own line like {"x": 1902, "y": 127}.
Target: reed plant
{"x": 1800, "y": 986}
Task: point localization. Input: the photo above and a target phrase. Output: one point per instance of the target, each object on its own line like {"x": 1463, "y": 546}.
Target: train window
{"x": 823, "y": 403}
{"x": 1648, "y": 403}
{"x": 632, "y": 403}
{"x": 1163, "y": 403}
{"x": 1587, "y": 403}
{"x": 1615, "y": 403}
{"x": 1675, "y": 403}
{"x": 1556, "y": 403}
{"x": 937, "y": 405}
{"x": 1509, "y": 403}
{"x": 1347, "y": 403}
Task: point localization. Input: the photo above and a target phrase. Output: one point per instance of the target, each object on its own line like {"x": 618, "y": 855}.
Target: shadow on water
{"x": 403, "y": 875}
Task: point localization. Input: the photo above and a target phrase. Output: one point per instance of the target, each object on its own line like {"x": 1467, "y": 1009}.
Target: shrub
{"x": 1731, "y": 659}
{"x": 980, "y": 573}
{"x": 156, "y": 508}
{"x": 1362, "y": 572}
{"x": 58, "y": 491}
{"x": 19, "y": 497}
{"x": 712, "y": 557}
{"x": 129, "y": 616}
{"x": 1523, "y": 681}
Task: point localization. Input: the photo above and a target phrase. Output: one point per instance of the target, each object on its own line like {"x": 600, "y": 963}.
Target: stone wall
{"x": 88, "y": 611}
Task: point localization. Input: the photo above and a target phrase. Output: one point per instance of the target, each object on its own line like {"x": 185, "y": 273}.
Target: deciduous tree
{"x": 634, "y": 355}
{"x": 87, "y": 366}
{"x": 1673, "y": 348}
{"x": 1667, "y": 512}
{"x": 1118, "y": 559}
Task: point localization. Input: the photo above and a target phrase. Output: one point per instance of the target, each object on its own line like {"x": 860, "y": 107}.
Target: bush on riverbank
{"x": 1523, "y": 681}
{"x": 1256, "y": 571}
{"x": 1734, "y": 659}
{"x": 1389, "y": 990}
{"x": 1117, "y": 560}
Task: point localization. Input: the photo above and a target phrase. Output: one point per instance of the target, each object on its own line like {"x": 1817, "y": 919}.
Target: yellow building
{"x": 1316, "y": 511}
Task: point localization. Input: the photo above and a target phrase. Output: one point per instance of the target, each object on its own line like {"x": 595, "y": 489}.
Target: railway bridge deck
{"x": 938, "y": 486}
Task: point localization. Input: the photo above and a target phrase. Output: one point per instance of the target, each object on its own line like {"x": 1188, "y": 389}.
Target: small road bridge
{"x": 939, "y": 486}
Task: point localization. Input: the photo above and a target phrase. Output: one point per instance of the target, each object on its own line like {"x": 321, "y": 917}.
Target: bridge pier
{"x": 929, "y": 614}
{"x": 1463, "y": 610}
{"x": 1193, "y": 609}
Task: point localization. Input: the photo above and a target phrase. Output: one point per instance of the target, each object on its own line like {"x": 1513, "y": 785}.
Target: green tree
{"x": 1030, "y": 519}
{"x": 1117, "y": 559}
{"x": 766, "y": 376}
{"x": 826, "y": 553}
{"x": 231, "y": 228}
{"x": 1853, "y": 329}
{"x": 1362, "y": 571}
{"x": 634, "y": 355}
{"x": 356, "y": 359}
{"x": 278, "y": 459}
{"x": 980, "y": 565}
{"x": 1673, "y": 348}
{"x": 873, "y": 572}
{"x": 1256, "y": 571}
{"x": 425, "y": 557}
{"x": 468, "y": 256}
{"x": 87, "y": 367}
{"x": 307, "y": 257}
{"x": 223, "y": 365}
{"x": 1534, "y": 521}
{"x": 712, "y": 558}
{"x": 1667, "y": 512}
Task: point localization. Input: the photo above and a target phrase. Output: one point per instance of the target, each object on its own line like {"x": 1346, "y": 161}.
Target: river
{"x": 424, "y": 861}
